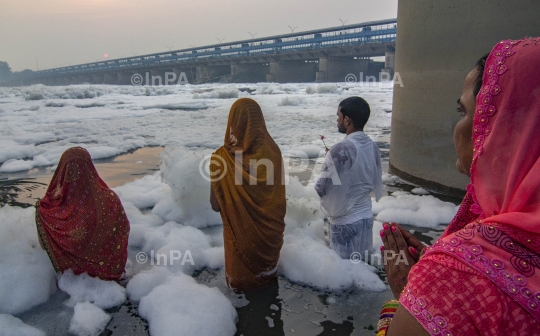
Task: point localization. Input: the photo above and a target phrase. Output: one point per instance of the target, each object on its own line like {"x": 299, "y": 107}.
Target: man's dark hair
{"x": 480, "y": 66}
{"x": 357, "y": 109}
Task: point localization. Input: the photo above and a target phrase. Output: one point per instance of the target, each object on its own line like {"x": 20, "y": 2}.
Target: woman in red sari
{"x": 81, "y": 222}
{"x": 482, "y": 277}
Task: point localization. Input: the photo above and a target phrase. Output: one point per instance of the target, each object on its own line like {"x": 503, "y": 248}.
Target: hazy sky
{"x": 67, "y": 32}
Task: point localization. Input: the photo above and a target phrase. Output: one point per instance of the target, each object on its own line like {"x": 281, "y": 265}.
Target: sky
{"x": 55, "y": 33}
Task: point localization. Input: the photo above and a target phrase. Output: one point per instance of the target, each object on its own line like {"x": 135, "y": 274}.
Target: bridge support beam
{"x": 389, "y": 63}
{"x": 189, "y": 72}
{"x": 85, "y": 79}
{"x": 214, "y": 74}
{"x": 98, "y": 78}
{"x": 249, "y": 72}
{"x": 292, "y": 72}
{"x": 336, "y": 69}
{"x": 124, "y": 77}
{"x": 110, "y": 78}
{"x": 64, "y": 81}
{"x": 74, "y": 80}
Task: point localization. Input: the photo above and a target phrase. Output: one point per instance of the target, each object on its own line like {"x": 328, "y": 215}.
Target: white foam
{"x": 310, "y": 261}
{"x": 404, "y": 208}
{"x": 88, "y": 320}
{"x": 196, "y": 309}
{"x": 144, "y": 282}
{"x": 222, "y": 93}
{"x": 27, "y": 276}
{"x": 291, "y": 101}
{"x": 82, "y": 288}
{"x": 420, "y": 191}
{"x": 12, "y": 326}
{"x": 181, "y": 169}
{"x": 323, "y": 88}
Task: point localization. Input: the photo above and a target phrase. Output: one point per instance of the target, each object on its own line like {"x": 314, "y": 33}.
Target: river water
{"x": 281, "y": 309}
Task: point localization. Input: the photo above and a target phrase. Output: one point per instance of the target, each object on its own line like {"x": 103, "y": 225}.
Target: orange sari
{"x": 247, "y": 179}
{"x": 81, "y": 222}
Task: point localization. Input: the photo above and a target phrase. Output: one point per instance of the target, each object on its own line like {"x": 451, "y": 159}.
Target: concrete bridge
{"x": 323, "y": 55}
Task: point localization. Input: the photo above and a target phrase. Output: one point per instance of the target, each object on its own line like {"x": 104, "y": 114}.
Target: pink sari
{"x": 482, "y": 277}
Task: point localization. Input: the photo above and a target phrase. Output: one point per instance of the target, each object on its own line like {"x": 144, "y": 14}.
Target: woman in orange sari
{"x": 81, "y": 222}
{"x": 248, "y": 190}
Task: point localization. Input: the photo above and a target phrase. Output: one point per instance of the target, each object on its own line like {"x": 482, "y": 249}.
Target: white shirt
{"x": 352, "y": 169}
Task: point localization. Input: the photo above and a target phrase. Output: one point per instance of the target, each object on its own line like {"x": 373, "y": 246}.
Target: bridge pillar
{"x": 156, "y": 77}
{"x": 336, "y": 69}
{"x": 98, "y": 78}
{"x": 64, "y": 81}
{"x": 214, "y": 74}
{"x": 292, "y": 72}
{"x": 124, "y": 77}
{"x": 435, "y": 50}
{"x": 85, "y": 79}
{"x": 74, "y": 80}
{"x": 188, "y": 72}
{"x": 50, "y": 81}
{"x": 110, "y": 78}
{"x": 389, "y": 62}
{"x": 59, "y": 81}
{"x": 249, "y": 72}
{"x": 374, "y": 70}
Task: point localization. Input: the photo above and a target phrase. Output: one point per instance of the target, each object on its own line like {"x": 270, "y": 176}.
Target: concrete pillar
{"x": 98, "y": 78}
{"x": 389, "y": 63}
{"x": 205, "y": 74}
{"x": 125, "y": 77}
{"x": 249, "y": 72}
{"x": 188, "y": 72}
{"x": 174, "y": 76}
{"x": 85, "y": 79}
{"x": 336, "y": 69}
{"x": 110, "y": 78}
{"x": 292, "y": 72}
{"x": 437, "y": 46}
{"x": 389, "y": 60}
{"x": 74, "y": 80}
{"x": 374, "y": 70}
{"x": 64, "y": 81}
{"x": 157, "y": 77}
{"x": 320, "y": 76}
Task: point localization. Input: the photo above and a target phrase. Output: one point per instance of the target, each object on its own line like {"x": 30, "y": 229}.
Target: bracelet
{"x": 387, "y": 313}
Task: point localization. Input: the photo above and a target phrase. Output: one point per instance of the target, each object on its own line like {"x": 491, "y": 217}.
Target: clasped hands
{"x": 401, "y": 250}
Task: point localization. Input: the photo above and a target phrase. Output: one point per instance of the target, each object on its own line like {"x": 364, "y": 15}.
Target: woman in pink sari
{"x": 482, "y": 277}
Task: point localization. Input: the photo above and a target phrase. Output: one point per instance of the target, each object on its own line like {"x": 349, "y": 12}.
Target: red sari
{"x": 81, "y": 222}
{"x": 482, "y": 277}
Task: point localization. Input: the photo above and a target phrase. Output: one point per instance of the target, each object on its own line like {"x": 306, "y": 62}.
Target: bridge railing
{"x": 358, "y": 34}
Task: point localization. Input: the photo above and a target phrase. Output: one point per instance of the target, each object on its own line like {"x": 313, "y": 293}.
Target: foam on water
{"x": 169, "y": 211}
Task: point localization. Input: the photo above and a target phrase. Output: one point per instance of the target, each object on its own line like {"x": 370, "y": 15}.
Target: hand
{"x": 416, "y": 247}
{"x": 397, "y": 256}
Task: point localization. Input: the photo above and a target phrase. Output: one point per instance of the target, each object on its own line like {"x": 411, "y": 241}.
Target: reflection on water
{"x": 25, "y": 188}
{"x": 285, "y": 308}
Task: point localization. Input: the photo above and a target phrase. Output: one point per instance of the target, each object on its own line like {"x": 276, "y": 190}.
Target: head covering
{"x": 248, "y": 182}
{"x": 497, "y": 229}
{"x": 81, "y": 222}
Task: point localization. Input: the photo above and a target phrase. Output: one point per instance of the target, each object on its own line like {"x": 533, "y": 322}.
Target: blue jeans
{"x": 356, "y": 237}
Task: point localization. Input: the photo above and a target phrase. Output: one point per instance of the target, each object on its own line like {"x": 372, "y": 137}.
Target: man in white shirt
{"x": 352, "y": 170}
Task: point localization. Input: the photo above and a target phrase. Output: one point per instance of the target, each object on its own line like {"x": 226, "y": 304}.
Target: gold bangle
{"x": 384, "y": 322}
